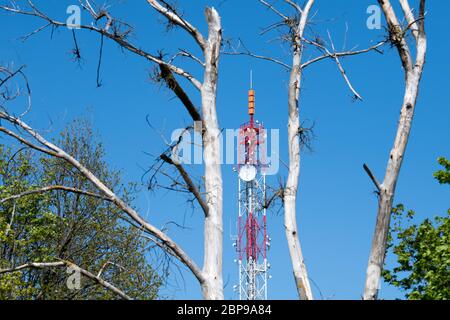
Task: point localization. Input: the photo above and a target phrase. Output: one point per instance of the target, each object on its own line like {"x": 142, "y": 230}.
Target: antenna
{"x": 252, "y": 242}
{"x": 251, "y": 98}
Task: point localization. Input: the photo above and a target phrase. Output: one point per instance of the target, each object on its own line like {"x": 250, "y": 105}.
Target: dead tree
{"x": 210, "y": 276}
{"x": 290, "y": 190}
{"x": 413, "y": 72}
{"x": 295, "y": 37}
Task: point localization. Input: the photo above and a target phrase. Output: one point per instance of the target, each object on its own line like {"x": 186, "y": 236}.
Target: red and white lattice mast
{"x": 252, "y": 239}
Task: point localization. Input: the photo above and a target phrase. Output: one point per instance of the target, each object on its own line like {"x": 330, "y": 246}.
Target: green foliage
{"x": 443, "y": 176}
{"x": 90, "y": 232}
{"x": 422, "y": 251}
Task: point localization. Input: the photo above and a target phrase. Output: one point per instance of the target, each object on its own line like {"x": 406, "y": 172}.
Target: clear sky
{"x": 336, "y": 204}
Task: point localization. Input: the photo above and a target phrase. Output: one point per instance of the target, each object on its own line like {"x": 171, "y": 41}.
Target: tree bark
{"x": 212, "y": 287}
{"x": 290, "y": 192}
{"x": 413, "y": 74}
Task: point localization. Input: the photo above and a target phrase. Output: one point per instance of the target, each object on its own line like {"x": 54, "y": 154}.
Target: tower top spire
{"x": 251, "y": 98}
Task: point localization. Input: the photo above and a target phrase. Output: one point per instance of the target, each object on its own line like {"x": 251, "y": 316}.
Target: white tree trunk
{"x": 413, "y": 74}
{"x": 379, "y": 242}
{"x": 212, "y": 287}
{"x": 290, "y": 192}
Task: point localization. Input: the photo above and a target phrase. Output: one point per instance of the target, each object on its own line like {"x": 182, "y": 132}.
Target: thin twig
{"x": 275, "y": 10}
{"x": 344, "y": 54}
{"x": 99, "y": 61}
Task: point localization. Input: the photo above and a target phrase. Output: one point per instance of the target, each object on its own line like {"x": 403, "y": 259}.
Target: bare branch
{"x": 25, "y": 141}
{"x": 271, "y": 7}
{"x": 326, "y": 55}
{"x": 256, "y": 56}
{"x": 247, "y": 52}
{"x": 191, "y": 186}
{"x": 275, "y": 195}
{"x": 11, "y": 220}
{"x": 118, "y": 39}
{"x": 334, "y": 56}
{"x": 52, "y": 188}
{"x": 397, "y": 35}
{"x": 172, "y": 83}
{"x": 344, "y": 54}
{"x": 372, "y": 177}
{"x": 89, "y": 8}
{"x": 63, "y": 263}
{"x": 341, "y": 68}
{"x": 107, "y": 263}
{"x": 422, "y": 18}
{"x": 187, "y": 54}
{"x": 108, "y": 193}
{"x": 412, "y": 23}
{"x": 171, "y": 14}
{"x": 36, "y": 31}
{"x": 10, "y": 74}
{"x": 100, "y": 56}
{"x": 422, "y": 39}
{"x": 295, "y": 6}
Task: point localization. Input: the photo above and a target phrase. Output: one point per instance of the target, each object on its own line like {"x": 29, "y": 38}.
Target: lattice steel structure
{"x": 252, "y": 241}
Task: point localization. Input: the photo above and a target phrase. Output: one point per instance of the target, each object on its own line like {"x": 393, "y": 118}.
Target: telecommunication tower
{"x": 252, "y": 241}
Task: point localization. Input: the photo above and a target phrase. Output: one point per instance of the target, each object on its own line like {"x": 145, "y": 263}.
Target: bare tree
{"x": 290, "y": 190}
{"x": 413, "y": 73}
{"x": 210, "y": 276}
{"x": 298, "y": 136}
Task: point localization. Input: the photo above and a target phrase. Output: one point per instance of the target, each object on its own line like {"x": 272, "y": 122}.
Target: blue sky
{"x": 336, "y": 202}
